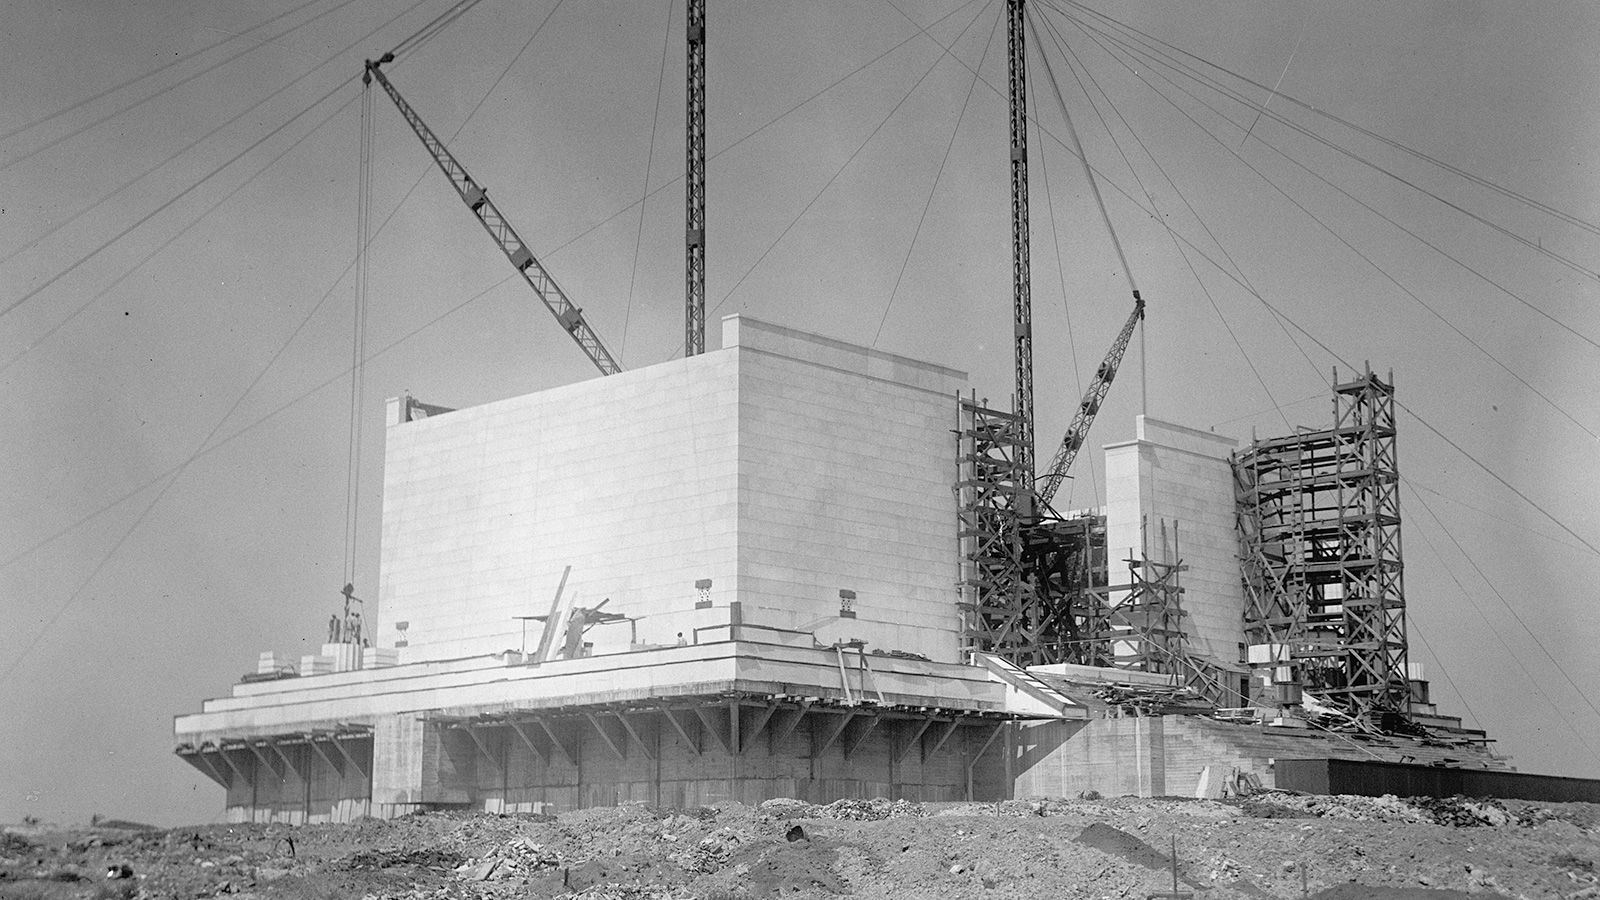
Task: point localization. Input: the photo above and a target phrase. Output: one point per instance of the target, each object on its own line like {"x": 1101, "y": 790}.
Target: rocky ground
{"x": 1276, "y": 845}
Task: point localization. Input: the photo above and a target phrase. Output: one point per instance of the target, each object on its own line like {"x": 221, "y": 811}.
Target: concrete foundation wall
{"x": 510, "y": 777}
{"x": 1180, "y": 478}
{"x": 310, "y": 790}
{"x": 1165, "y": 755}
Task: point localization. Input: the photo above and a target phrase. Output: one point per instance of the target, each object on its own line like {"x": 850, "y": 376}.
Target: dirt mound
{"x": 1352, "y": 891}
{"x": 1119, "y": 843}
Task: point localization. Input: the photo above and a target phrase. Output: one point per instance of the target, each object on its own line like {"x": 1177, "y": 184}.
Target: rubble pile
{"x": 1387, "y": 808}
{"x": 871, "y": 810}
{"x": 1454, "y": 812}
{"x": 1465, "y": 812}
{"x": 1081, "y": 848}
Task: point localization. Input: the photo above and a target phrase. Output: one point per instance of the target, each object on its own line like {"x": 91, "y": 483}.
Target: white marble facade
{"x": 784, "y": 467}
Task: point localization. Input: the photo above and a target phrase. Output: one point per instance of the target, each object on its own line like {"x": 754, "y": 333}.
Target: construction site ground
{"x": 1275, "y": 845}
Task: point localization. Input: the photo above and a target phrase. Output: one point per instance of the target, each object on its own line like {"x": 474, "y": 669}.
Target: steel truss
{"x": 1319, "y": 520}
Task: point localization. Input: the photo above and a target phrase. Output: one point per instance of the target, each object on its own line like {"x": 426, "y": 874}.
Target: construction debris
{"x": 1037, "y": 848}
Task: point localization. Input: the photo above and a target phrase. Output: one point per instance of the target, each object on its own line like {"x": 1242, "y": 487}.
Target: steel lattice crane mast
{"x": 1021, "y": 279}
{"x": 477, "y": 199}
{"x": 1078, "y": 431}
{"x": 694, "y": 340}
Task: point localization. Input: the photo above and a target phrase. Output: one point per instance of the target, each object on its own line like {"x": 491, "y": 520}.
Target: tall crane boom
{"x": 1078, "y": 431}
{"x": 477, "y": 199}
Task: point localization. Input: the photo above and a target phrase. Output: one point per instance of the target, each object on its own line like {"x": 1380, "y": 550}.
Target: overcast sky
{"x": 160, "y": 531}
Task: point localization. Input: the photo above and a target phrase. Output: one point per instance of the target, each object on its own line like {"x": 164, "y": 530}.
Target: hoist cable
{"x": 840, "y": 171}
{"x": 1088, "y": 171}
{"x": 172, "y": 87}
{"x": 171, "y": 475}
{"x": 1126, "y": 48}
{"x": 430, "y": 30}
{"x": 128, "y": 272}
{"x": 1535, "y": 246}
{"x": 1418, "y": 154}
{"x": 1509, "y": 608}
{"x": 934, "y": 187}
{"x": 106, "y": 92}
{"x": 352, "y": 509}
{"x": 1066, "y": 306}
{"x": 649, "y": 163}
{"x": 212, "y": 173}
{"x": 1074, "y": 66}
{"x": 1364, "y": 257}
{"x": 74, "y": 217}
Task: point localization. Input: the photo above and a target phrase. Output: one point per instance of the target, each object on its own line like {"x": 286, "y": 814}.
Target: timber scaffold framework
{"x": 1035, "y": 588}
{"x": 1319, "y": 521}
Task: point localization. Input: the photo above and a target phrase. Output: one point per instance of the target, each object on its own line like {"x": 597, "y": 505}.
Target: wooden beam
{"x": 682, "y": 732}
{"x": 338, "y": 744}
{"x": 949, "y": 729}
{"x": 199, "y": 757}
{"x": 985, "y": 748}
{"x": 716, "y": 732}
{"x": 621, "y": 752}
{"x": 287, "y": 762}
{"x": 547, "y": 636}
{"x": 754, "y": 731}
{"x": 570, "y": 756}
{"x": 644, "y": 746}
{"x": 913, "y": 742}
{"x": 222, "y": 752}
{"x": 852, "y": 742}
{"x": 336, "y": 764}
{"x": 781, "y": 731}
{"x": 832, "y": 733}
{"x": 543, "y": 757}
{"x": 265, "y": 761}
{"x": 483, "y": 746}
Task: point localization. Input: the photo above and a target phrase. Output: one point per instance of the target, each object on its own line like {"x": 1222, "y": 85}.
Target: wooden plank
{"x": 844, "y": 677}
{"x": 914, "y": 742}
{"x": 210, "y": 767}
{"x": 287, "y": 762}
{"x": 832, "y": 733}
{"x": 754, "y": 731}
{"x": 781, "y": 732}
{"x": 232, "y": 765}
{"x": 621, "y": 752}
{"x": 570, "y": 756}
{"x": 949, "y": 729}
{"x": 852, "y": 742}
{"x": 344, "y": 751}
{"x": 483, "y": 747}
{"x": 644, "y": 746}
{"x": 542, "y": 756}
{"x": 336, "y": 764}
{"x": 678, "y": 727}
{"x": 985, "y": 748}
{"x": 547, "y": 636}
{"x": 265, "y": 761}
{"x": 716, "y": 732}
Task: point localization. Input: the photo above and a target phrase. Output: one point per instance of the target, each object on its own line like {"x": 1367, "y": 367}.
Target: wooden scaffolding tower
{"x": 1319, "y": 520}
